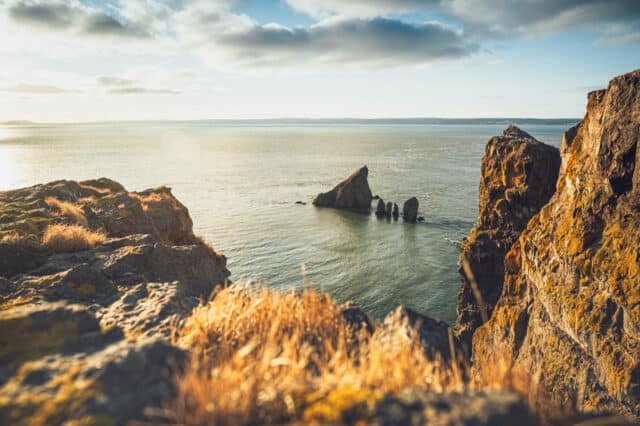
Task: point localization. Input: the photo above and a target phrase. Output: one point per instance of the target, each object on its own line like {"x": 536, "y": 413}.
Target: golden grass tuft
{"x": 263, "y": 356}
{"x": 69, "y": 238}
{"x": 67, "y": 209}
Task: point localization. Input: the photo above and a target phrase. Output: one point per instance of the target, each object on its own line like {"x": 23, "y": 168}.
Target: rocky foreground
{"x": 85, "y": 323}
{"x": 101, "y": 320}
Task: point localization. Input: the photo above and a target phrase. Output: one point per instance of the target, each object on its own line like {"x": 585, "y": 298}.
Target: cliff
{"x": 92, "y": 277}
{"x": 519, "y": 176}
{"x": 569, "y": 314}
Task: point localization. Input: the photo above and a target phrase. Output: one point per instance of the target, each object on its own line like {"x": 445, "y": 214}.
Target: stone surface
{"x": 410, "y": 209}
{"x": 352, "y": 193}
{"x": 569, "y": 314}
{"x": 380, "y": 208}
{"x": 436, "y": 336}
{"x": 518, "y": 177}
{"x": 416, "y": 407}
{"x": 85, "y": 336}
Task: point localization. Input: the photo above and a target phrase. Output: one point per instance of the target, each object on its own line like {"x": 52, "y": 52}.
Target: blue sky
{"x": 92, "y": 60}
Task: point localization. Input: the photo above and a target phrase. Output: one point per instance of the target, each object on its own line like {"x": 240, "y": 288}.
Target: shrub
{"x": 70, "y": 238}
{"x": 263, "y": 356}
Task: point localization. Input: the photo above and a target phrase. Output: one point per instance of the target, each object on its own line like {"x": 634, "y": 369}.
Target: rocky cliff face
{"x": 519, "y": 176}
{"x": 569, "y": 314}
{"x": 84, "y": 332}
{"x": 352, "y": 193}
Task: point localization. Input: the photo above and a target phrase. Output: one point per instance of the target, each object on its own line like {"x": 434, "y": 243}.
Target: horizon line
{"x": 415, "y": 120}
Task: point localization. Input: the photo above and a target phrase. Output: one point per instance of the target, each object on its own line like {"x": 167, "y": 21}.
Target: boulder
{"x": 518, "y": 177}
{"x": 352, "y": 193}
{"x": 380, "y": 209}
{"x": 436, "y": 336}
{"x": 569, "y": 313}
{"x": 410, "y": 209}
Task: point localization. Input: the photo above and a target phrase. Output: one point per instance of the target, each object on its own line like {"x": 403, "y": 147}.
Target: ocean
{"x": 241, "y": 181}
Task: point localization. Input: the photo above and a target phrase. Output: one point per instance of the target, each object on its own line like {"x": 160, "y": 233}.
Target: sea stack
{"x": 410, "y": 209}
{"x": 569, "y": 313}
{"x": 518, "y": 177}
{"x": 396, "y": 211}
{"x": 380, "y": 209}
{"x": 352, "y": 193}
{"x": 389, "y": 209}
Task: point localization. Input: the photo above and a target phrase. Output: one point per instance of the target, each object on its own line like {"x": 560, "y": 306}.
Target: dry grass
{"x": 16, "y": 239}
{"x": 67, "y": 209}
{"x": 69, "y": 238}
{"x": 263, "y": 356}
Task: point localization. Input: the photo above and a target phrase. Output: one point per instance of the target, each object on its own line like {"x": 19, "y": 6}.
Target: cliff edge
{"x": 569, "y": 314}
{"x": 519, "y": 175}
{"x": 92, "y": 277}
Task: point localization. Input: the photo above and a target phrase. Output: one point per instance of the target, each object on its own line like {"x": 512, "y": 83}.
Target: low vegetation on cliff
{"x": 261, "y": 355}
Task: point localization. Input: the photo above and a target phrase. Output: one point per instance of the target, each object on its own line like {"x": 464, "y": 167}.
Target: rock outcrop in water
{"x": 410, "y": 209}
{"x": 569, "y": 314}
{"x": 352, "y": 193}
{"x": 380, "y": 208}
{"x": 84, "y": 332}
{"x": 519, "y": 176}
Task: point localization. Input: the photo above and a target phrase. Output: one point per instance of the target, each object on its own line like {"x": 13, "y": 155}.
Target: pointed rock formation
{"x": 352, "y": 193}
{"x": 519, "y": 176}
{"x": 569, "y": 314}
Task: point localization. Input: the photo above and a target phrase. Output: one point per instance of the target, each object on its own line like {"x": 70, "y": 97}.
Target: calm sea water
{"x": 240, "y": 181}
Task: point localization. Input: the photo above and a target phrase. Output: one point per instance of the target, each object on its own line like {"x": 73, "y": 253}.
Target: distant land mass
{"x": 334, "y": 121}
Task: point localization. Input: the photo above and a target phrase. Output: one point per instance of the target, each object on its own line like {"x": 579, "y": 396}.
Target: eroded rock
{"x": 569, "y": 313}
{"x": 352, "y": 193}
{"x": 410, "y": 209}
{"x": 518, "y": 177}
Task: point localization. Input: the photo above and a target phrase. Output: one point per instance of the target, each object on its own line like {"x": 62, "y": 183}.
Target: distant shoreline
{"x": 324, "y": 121}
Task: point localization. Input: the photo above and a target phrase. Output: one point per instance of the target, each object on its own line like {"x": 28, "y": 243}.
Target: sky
{"x": 95, "y": 60}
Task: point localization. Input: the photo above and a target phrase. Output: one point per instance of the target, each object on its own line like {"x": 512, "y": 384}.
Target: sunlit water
{"x": 240, "y": 182}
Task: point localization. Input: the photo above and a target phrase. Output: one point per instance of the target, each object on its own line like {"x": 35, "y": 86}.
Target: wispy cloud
{"x": 37, "y": 89}
{"x": 141, "y": 91}
{"x": 109, "y": 81}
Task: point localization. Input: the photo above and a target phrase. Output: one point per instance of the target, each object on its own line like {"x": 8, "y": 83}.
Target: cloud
{"x": 511, "y": 17}
{"x": 141, "y": 91}
{"x": 114, "y": 81}
{"x": 360, "y": 8}
{"x": 35, "y": 89}
{"x": 57, "y": 15}
{"x": 372, "y": 42}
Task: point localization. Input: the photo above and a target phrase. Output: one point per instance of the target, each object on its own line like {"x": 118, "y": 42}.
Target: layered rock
{"x": 352, "y": 193}
{"x": 84, "y": 334}
{"x": 519, "y": 176}
{"x": 569, "y": 314}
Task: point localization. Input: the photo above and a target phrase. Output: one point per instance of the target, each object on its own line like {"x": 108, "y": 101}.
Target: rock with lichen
{"x": 85, "y": 329}
{"x": 569, "y": 313}
{"x": 518, "y": 177}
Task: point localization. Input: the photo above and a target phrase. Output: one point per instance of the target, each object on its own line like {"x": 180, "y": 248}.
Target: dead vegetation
{"x": 60, "y": 238}
{"x": 67, "y": 209}
{"x": 263, "y": 356}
